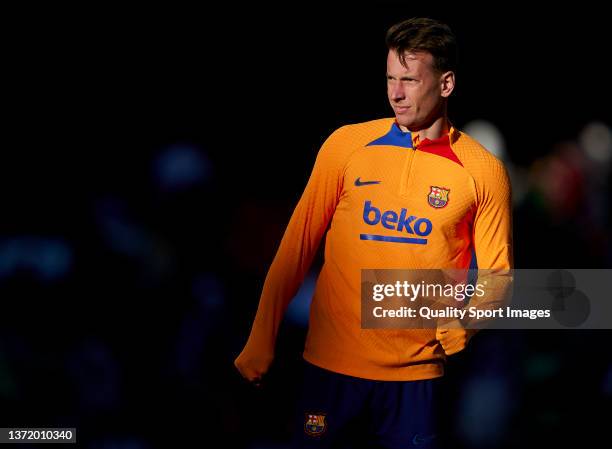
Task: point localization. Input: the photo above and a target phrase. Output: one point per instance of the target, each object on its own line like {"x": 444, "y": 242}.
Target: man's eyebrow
{"x": 402, "y": 77}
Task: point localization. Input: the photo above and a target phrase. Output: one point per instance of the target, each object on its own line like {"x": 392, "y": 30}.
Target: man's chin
{"x": 403, "y": 123}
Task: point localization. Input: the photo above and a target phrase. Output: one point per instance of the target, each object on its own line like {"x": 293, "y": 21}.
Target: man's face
{"x": 416, "y": 92}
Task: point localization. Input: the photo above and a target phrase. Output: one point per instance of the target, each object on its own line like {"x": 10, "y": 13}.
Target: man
{"x": 404, "y": 192}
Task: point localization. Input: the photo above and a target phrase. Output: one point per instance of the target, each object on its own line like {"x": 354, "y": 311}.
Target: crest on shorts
{"x": 438, "y": 197}
{"x": 315, "y": 425}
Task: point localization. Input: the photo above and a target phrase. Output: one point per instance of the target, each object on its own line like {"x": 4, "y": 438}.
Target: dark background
{"x": 151, "y": 160}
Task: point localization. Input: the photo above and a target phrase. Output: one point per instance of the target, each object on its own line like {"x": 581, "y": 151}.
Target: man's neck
{"x": 437, "y": 129}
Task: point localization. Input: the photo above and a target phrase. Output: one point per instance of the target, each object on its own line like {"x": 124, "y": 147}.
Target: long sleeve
{"x": 298, "y": 247}
{"x": 492, "y": 235}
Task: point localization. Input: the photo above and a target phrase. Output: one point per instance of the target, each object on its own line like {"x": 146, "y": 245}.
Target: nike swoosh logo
{"x": 359, "y": 182}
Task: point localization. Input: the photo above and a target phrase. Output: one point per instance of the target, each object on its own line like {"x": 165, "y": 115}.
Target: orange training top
{"x": 386, "y": 200}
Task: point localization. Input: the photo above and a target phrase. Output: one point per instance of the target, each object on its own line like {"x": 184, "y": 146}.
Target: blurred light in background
{"x": 493, "y": 140}
{"x": 596, "y": 140}
{"x": 125, "y": 237}
{"x": 121, "y": 235}
{"x": 489, "y": 136}
{"x": 48, "y": 259}
{"x": 559, "y": 180}
{"x": 299, "y": 308}
{"x": 181, "y": 167}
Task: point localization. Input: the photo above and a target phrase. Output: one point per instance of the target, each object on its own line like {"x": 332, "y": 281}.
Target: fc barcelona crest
{"x": 315, "y": 425}
{"x": 438, "y": 197}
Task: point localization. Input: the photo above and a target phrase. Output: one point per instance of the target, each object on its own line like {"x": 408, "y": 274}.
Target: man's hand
{"x": 454, "y": 337}
{"x": 253, "y": 366}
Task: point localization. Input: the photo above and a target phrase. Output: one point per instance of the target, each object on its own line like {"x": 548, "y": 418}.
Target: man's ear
{"x": 447, "y": 84}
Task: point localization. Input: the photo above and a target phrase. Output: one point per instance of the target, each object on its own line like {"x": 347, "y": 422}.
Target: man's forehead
{"x": 414, "y": 55}
{"x": 411, "y": 59}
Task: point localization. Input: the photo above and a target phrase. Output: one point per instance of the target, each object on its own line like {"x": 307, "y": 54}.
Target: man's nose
{"x": 397, "y": 93}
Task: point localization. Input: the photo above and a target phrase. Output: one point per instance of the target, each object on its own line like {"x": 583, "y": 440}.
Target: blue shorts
{"x": 339, "y": 411}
